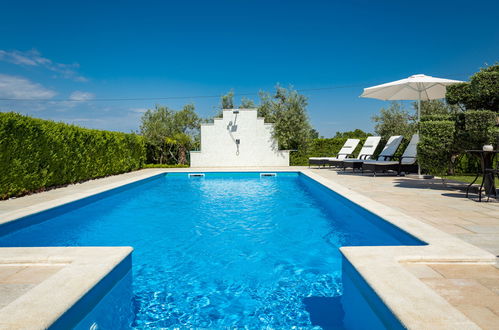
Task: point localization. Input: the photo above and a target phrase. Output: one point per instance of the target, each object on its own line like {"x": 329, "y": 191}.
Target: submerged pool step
{"x": 195, "y": 175}
{"x": 267, "y": 174}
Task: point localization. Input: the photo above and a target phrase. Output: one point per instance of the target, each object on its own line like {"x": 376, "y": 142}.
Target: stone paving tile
{"x": 483, "y": 229}
{"x": 490, "y": 283}
{"x": 451, "y": 271}
{"x": 10, "y": 292}
{"x": 8, "y": 271}
{"x": 31, "y": 275}
{"x": 17, "y": 280}
{"x": 483, "y": 221}
{"x": 464, "y": 292}
{"x": 422, "y": 271}
{"x": 452, "y": 229}
{"x": 484, "y": 317}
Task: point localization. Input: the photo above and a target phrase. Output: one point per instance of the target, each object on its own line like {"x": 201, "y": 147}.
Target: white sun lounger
{"x": 366, "y": 152}
{"x": 344, "y": 152}
{"x": 386, "y": 154}
{"x": 407, "y": 161}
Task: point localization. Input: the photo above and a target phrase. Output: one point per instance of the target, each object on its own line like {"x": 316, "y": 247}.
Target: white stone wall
{"x": 256, "y": 147}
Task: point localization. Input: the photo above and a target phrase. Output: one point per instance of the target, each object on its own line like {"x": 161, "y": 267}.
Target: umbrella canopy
{"x": 417, "y": 87}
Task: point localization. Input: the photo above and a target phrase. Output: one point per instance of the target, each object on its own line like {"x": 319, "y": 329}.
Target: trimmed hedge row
{"x": 36, "y": 154}
{"x": 435, "y": 145}
{"x": 445, "y": 138}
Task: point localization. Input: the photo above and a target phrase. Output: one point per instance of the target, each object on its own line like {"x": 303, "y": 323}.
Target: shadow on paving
{"x": 455, "y": 189}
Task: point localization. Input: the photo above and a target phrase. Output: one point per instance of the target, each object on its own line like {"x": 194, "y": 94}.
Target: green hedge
{"x": 479, "y": 126}
{"x": 445, "y": 139}
{"x": 36, "y": 154}
{"x": 435, "y": 145}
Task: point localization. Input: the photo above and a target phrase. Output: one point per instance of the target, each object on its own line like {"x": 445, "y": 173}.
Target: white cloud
{"x": 138, "y": 110}
{"x": 33, "y": 58}
{"x": 14, "y": 87}
{"x": 81, "y": 96}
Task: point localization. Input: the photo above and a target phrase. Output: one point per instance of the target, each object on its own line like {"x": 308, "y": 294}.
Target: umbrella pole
{"x": 419, "y": 118}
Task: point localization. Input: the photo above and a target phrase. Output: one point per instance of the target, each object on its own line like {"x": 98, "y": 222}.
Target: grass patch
{"x": 468, "y": 178}
{"x": 164, "y": 166}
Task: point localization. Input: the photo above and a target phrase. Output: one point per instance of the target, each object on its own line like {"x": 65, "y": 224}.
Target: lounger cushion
{"x": 369, "y": 147}
{"x": 391, "y": 146}
{"x": 410, "y": 153}
{"x": 346, "y": 150}
{"x": 382, "y": 162}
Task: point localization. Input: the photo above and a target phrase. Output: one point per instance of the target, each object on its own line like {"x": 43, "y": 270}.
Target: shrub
{"x": 36, "y": 154}
{"x": 435, "y": 145}
{"x": 481, "y": 92}
{"x": 479, "y": 127}
{"x": 438, "y": 117}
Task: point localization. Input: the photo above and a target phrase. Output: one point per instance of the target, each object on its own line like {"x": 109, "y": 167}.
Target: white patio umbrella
{"x": 417, "y": 87}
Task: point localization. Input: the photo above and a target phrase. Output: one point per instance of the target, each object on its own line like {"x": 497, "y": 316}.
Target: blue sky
{"x": 85, "y": 50}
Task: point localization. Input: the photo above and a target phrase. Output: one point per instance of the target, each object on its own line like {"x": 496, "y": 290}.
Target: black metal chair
{"x": 491, "y": 173}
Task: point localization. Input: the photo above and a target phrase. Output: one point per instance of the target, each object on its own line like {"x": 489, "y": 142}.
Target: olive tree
{"x": 394, "y": 120}
{"x": 480, "y": 93}
{"x": 287, "y": 110}
{"x": 170, "y": 133}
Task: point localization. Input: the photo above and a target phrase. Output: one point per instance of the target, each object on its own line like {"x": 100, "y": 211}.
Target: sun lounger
{"x": 365, "y": 153}
{"x": 406, "y": 163}
{"x": 344, "y": 152}
{"x": 386, "y": 154}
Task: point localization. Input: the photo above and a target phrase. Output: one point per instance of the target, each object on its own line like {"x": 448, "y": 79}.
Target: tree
{"x": 314, "y": 134}
{"x": 357, "y": 133}
{"x": 227, "y": 100}
{"x": 286, "y": 109}
{"x": 435, "y": 107}
{"x": 247, "y": 103}
{"x": 480, "y": 93}
{"x": 394, "y": 120}
{"x": 166, "y": 131}
{"x": 180, "y": 142}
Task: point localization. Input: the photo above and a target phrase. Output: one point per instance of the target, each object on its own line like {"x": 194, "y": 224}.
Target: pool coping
{"x": 83, "y": 268}
{"x": 410, "y": 300}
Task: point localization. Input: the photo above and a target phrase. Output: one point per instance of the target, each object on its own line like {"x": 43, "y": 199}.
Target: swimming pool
{"x": 223, "y": 250}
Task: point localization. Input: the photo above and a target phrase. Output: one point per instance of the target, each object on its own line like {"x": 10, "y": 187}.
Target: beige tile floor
{"x": 16, "y": 280}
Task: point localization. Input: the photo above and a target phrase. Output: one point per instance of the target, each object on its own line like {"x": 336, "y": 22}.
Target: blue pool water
{"x": 227, "y": 250}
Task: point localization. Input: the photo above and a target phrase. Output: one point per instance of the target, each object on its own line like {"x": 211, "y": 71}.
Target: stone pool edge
{"x": 82, "y": 269}
{"x": 410, "y": 300}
